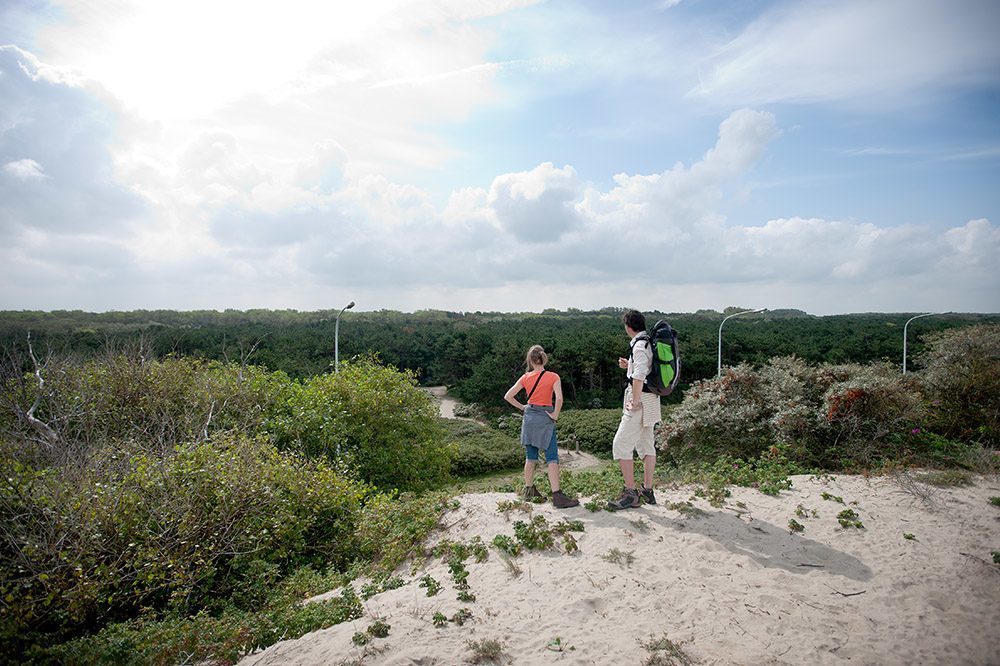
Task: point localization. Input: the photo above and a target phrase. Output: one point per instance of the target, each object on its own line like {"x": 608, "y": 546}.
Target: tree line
{"x": 479, "y": 354}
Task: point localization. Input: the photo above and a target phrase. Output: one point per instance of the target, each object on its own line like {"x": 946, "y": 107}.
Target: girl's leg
{"x": 554, "y": 476}
{"x": 529, "y": 472}
{"x": 552, "y": 458}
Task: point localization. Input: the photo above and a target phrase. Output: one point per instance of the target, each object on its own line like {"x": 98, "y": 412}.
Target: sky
{"x": 830, "y": 156}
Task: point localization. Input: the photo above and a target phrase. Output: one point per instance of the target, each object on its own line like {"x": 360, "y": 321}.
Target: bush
{"x": 372, "y": 415}
{"x": 962, "y": 379}
{"x": 134, "y": 530}
{"x": 203, "y": 638}
{"x": 830, "y": 416}
{"x": 863, "y": 411}
{"x": 128, "y": 398}
{"x": 478, "y": 449}
{"x": 593, "y": 429}
{"x": 393, "y": 527}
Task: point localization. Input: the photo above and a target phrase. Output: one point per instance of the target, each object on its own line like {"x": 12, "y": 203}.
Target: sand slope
{"x": 730, "y": 586}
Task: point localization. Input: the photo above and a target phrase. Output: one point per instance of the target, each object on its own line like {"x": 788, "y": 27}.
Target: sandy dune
{"x": 729, "y": 585}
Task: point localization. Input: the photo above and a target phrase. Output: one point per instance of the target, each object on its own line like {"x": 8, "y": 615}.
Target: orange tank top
{"x": 542, "y": 395}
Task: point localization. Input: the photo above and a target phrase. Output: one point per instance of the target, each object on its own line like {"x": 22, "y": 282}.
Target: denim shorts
{"x": 551, "y": 452}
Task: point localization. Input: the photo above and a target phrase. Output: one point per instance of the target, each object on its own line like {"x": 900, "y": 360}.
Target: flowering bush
{"x": 832, "y": 415}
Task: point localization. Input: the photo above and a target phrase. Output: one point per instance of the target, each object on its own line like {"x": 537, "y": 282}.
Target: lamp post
{"x": 718, "y": 370}
{"x": 926, "y": 314}
{"x": 336, "y": 338}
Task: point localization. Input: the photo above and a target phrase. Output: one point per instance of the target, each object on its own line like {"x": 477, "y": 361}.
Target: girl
{"x": 538, "y": 427}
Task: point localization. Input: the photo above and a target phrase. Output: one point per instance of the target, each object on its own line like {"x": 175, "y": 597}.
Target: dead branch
{"x": 46, "y": 431}
{"x": 846, "y": 594}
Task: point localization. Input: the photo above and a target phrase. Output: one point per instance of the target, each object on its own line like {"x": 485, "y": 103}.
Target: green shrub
{"x": 768, "y": 473}
{"x": 478, "y": 449}
{"x": 156, "y": 404}
{"x": 204, "y": 637}
{"x": 593, "y": 429}
{"x": 134, "y": 530}
{"x": 962, "y": 379}
{"x": 392, "y": 527}
{"x": 373, "y": 416}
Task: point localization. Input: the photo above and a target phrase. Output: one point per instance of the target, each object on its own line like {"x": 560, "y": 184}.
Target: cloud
{"x": 876, "y": 52}
{"x": 537, "y": 205}
{"x": 213, "y": 215}
{"x": 26, "y": 169}
{"x": 374, "y": 234}
{"x": 58, "y": 168}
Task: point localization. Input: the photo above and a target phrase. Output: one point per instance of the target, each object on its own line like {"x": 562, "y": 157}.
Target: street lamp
{"x": 336, "y": 338}
{"x": 718, "y": 371}
{"x": 926, "y": 314}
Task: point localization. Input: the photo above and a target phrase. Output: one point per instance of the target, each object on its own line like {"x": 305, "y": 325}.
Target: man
{"x": 640, "y": 414}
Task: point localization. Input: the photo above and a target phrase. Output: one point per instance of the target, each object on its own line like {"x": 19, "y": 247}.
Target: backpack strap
{"x": 641, "y": 336}
{"x": 535, "y": 386}
{"x": 644, "y": 336}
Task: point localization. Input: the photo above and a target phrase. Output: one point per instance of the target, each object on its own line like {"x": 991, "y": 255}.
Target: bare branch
{"x": 48, "y": 434}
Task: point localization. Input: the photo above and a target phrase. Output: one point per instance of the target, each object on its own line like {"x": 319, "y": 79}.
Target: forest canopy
{"x": 479, "y": 354}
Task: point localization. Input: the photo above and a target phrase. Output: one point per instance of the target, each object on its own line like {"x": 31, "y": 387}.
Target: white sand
{"x": 730, "y": 587}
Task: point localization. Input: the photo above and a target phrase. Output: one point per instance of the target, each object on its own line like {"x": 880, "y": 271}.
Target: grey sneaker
{"x": 561, "y": 501}
{"x": 647, "y": 495}
{"x": 531, "y": 494}
{"x": 629, "y": 499}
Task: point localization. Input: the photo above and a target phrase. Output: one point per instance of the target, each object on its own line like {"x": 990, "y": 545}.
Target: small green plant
{"x": 593, "y": 506}
{"x": 379, "y": 629}
{"x": 433, "y": 587}
{"x": 506, "y": 506}
{"x": 996, "y": 556}
{"x": 461, "y": 616}
{"x": 439, "y": 619}
{"x": 833, "y": 498}
{"x": 507, "y": 544}
{"x": 557, "y": 645}
{"x": 360, "y": 638}
{"x": 995, "y": 501}
{"x": 619, "y": 557}
{"x": 795, "y": 526}
{"x": 800, "y": 511}
{"x": 535, "y": 535}
{"x": 459, "y": 573}
{"x": 909, "y": 537}
{"x": 380, "y": 583}
{"x": 479, "y": 550}
{"x": 456, "y": 550}
{"x": 849, "y": 518}
{"x": 465, "y": 595}
{"x": 487, "y": 649}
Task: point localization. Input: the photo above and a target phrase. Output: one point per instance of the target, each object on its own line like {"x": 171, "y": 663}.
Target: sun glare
{"x": 183, "y": 59}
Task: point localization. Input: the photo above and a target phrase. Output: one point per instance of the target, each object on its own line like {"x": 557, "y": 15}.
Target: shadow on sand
{"x": 768, "y": 545}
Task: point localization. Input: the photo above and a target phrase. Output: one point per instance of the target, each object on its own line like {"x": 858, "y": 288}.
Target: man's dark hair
{"x": 634, "y": 320}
